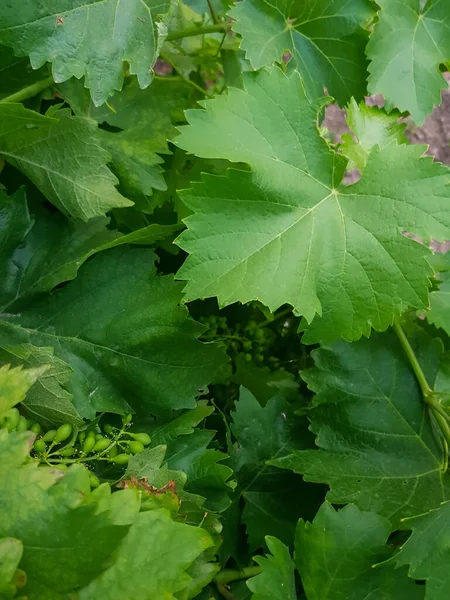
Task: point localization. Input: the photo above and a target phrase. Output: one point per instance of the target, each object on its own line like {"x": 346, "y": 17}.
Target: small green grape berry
{"x": 63, "y": 433}
{"x": 248, "y": 357}
{"x": 98, "y": 436}
{"x": 88, "y": 444}
{"x": 121, "y": 459}
{"x": 67, "y": 451}
{"x": 108, "y": 428}
{"x": 127, "y": 419}
{"x": 49, "y": 436}
{"x": 11, "y": 419}
{"x": 144, "y": 438}
{"x": 81, "y": 436}
{"x": 36, "y": 428}
{"x": 113, "y": 452}
{"x": 101, "y": 444}
{"x": 136, "y": 447}
{"x": 93, "y": 480}
{"x": 22, "y": 425}
{"x": 39, "y": 446}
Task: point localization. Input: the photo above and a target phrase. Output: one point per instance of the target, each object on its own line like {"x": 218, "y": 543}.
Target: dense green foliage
{"x": 224, "y": 371}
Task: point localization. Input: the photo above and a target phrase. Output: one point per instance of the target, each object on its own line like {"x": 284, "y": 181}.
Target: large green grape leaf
{"x": 427, "y": 551}
{"x": 152, "y": 570}
{"x": 122, "y": 331}
{"x": 273, "y": 502}
{"x": 377, "y": 445}
{"x": 91, "y": 38}
{"x": 277, "y": 578}
{"x": 335, "y": 556}
{"x": 63, "y": 158}
{"x": 38, "y": 254}
{"x": 68, "y": 536}
{"x": 15, "y": 383}
{"x": 47, "y": 400}
{"x": 408, "y": 44}
{"x": 289, "y": 231}
{"x": 371, "y": 126}
{"x": 325, "y": 38}
{"x": 146, "y": 120}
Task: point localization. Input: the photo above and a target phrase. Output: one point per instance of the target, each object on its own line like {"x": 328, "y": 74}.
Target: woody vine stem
{"x": 429, "y": 396}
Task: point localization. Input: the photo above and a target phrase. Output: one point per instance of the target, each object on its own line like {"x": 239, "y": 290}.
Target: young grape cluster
{"x": 64, "y": 446}
{"x": 248, "y": 341}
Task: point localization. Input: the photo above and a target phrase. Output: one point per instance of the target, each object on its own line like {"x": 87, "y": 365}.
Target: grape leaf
{"x": 426, "y": 551}
{"x": 439, "y": 313}
{"x": 92, "y": 38}
{"x": 265, "y": 384}
{"x": 11, "y": 551}
{"x": 29, "y": 266}
{"x": 163, "y": 432}
{"x": 157, "y": 566}
{"x": 205, "y": 476}
{"x": 325, "y": 38}
{"x": 151, "y": 464}
{"x": 14, "y": 384}
{"x": 146, "y": 119}
{"x": 273, "y": 502}
{"x": 201, "y": 573}
{"x": 63, "y": 158}
{"x": 32, "y": 266}
{"x": 335, "y": 556}
{"x": 277, "y": 579}
{"x": 47, "y": 401}
{"x": 61, "y": 530}
{"x": 288, "y": 232}
{"x": 120, "y": 329}
{"x": 372, "y": 127}
{"x": 408, "y": 44}
{"x": 377, "y": 446}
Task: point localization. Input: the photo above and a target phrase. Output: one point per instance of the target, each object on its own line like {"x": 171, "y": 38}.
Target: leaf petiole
{"x": 191, "y": 31}
{"x": 223, "y": 578}
{"x": 29, "y": 91}
{"x": 427, "y": 393}
{"x": 426, "y": 390}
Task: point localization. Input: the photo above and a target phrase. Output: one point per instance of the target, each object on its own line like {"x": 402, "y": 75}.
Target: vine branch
{"x": 29, "y": 91}
{"x": 223, "y": 578}
{"x": 191, "y": 31}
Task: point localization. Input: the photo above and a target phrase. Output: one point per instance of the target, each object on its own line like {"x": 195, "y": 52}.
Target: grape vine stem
{"x": 427, "y": 393}
{"x": 223, "y": 578}
{"x": 191, "y": 31}
{"x": 29, "y": 91}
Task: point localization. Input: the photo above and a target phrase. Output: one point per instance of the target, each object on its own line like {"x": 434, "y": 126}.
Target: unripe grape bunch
{"x": 65, "y": 445}
{"x": 250, "y": 341}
